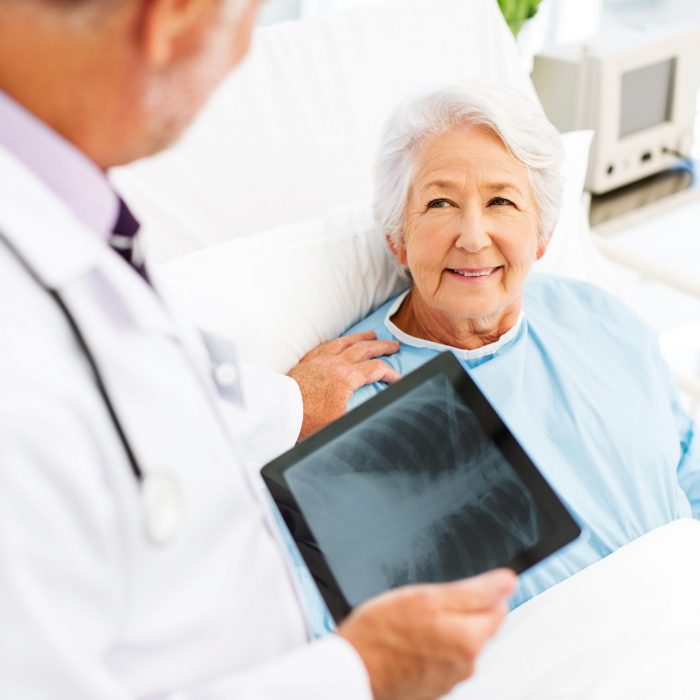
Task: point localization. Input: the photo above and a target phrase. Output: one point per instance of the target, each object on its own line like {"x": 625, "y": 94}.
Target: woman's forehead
{"x": 473, "y": 153}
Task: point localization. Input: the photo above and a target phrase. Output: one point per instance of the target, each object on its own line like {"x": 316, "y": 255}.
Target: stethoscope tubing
{"x": 89, "y": 356}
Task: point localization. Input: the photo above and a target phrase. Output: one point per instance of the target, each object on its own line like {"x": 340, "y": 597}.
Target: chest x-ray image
{"x": 418, "y": 492}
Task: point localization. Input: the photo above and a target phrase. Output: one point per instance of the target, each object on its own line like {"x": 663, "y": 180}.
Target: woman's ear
{"x": 542, "y": 245}
{"x": 398, "y": 249}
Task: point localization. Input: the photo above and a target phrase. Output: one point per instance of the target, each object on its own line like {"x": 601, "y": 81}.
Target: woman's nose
{"x": 473, "y": 235}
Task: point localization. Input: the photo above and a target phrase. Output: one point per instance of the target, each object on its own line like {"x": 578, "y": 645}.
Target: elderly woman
{"x": 467, "y": 193}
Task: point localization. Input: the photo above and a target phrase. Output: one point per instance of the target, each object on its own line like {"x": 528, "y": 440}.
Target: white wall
{"x": 279, "y": 11}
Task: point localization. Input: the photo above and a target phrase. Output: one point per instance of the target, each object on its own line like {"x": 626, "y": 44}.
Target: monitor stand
{"x": 637, "y": 202}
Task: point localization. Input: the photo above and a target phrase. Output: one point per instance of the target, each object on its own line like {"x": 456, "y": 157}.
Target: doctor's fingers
{"x": 466, "y": 634}
{"x": 335, "y": 347}
{"x": 369, "y": 349}
{"x": 463, "y": 637}
{"x": 413, "y": 646}
{"x": 477, "y": 593}
{"x": 371, "y": 371}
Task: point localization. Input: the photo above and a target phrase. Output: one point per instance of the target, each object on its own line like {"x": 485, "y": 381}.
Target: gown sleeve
{"x": 689, "y": 462}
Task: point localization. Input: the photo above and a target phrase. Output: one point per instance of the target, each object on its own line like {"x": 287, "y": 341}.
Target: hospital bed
{"x": 260, "y": 219}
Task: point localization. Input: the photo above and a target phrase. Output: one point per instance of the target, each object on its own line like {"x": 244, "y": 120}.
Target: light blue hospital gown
{"x": 581, "y": 384}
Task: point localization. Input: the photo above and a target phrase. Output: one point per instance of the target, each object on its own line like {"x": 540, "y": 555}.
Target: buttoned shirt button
{"x": 226, "y": 375}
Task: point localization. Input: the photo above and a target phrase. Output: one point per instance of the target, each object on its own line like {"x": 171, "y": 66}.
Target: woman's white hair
{"x": 518, "y": 121}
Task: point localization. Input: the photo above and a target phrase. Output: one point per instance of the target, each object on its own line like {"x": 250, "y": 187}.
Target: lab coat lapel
{"x": 63, "y": 253}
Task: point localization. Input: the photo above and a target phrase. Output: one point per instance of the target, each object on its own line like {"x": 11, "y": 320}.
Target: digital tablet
{"x": 421, "y": 483}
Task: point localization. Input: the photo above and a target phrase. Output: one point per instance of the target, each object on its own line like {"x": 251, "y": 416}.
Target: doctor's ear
{"x": 169, "y": 27}
{"x": 173, "y": 30}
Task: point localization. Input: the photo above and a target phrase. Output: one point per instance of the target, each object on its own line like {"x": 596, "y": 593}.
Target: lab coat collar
{"x": 59, "y": 248}
{"x": 63, "y": 167}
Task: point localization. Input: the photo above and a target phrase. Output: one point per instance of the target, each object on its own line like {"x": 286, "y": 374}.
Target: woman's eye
{"x": 501, "y": 201}
{"x": 438, "y": 203}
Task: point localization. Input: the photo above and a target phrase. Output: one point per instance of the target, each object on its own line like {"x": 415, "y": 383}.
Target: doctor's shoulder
{"x": 47, "y": 388}
{"x": 34, "y": 334}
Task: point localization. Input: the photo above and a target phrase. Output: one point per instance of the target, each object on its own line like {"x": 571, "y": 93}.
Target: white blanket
{"x": 626, "y": 627}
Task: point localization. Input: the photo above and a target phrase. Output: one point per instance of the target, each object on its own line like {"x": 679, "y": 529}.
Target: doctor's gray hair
{"x": 518, "y": 121}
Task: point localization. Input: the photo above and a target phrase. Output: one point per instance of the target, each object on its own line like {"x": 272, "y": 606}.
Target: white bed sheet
{"x": 625, "y": 627}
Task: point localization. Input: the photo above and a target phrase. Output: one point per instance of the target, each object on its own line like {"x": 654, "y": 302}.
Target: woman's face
{"x": 470, "y": 228}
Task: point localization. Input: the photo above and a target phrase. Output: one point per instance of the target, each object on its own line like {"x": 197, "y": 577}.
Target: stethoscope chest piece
{"x": 162, "y": 505}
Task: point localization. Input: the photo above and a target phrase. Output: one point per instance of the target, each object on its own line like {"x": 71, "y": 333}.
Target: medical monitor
{"x": 422, "y": 483}
{"x": 637, "y": 90}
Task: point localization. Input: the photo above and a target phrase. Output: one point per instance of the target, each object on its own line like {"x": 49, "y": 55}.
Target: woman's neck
{"x": 420, "y": 321}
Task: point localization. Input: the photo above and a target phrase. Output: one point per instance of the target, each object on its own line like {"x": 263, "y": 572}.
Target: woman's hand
{"x": 330, "y": 374}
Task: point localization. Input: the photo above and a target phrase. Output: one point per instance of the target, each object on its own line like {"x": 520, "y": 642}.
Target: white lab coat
{"x": 90, "y": 607}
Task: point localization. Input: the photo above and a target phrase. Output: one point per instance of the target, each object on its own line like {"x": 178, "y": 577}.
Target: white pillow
{"x": 279, "y": 293}
{"x": 292, "y": 134}
{"x": 571, "y": 251}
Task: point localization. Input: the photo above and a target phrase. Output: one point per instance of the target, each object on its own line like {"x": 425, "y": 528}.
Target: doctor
{"x": 137, "y": 551}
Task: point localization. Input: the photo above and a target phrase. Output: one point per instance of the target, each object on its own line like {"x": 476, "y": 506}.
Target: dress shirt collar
{"x": 62, "y": 167}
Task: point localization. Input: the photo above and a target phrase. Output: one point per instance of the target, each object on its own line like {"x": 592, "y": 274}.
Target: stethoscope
{"x": 161, "y": 500}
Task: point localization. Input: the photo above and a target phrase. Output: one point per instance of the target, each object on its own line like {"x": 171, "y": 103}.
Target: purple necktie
{"x": 125, "y": 240}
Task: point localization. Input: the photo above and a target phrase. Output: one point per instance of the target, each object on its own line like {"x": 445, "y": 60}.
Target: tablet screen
{"x": 419, "y": 493}
{"x": 421, "y": 483}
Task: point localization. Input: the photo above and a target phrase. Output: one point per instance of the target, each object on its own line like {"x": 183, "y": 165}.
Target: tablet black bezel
{"x": 564, "y": 527}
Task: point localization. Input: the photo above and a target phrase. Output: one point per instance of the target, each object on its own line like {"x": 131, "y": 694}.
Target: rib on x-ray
{"x": 418, "y": 492}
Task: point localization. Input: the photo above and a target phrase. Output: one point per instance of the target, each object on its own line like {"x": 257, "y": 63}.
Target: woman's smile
{"x": 474, "y": 275}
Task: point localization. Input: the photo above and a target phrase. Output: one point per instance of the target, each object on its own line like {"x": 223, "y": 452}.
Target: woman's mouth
{"x": 478, "y": 274}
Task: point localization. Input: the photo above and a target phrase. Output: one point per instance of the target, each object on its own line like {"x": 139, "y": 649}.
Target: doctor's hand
{"x": 418, "y": 642}
{"x": 330, "y": 374}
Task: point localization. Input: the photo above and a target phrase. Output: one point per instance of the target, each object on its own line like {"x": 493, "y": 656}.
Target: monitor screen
{"x": 647, "y": 96}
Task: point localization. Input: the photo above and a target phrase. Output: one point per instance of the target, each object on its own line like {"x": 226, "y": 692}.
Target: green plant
{"x": 517, "y": 12}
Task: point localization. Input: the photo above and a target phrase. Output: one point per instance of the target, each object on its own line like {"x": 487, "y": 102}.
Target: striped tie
{"x": 125, "y": 241}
